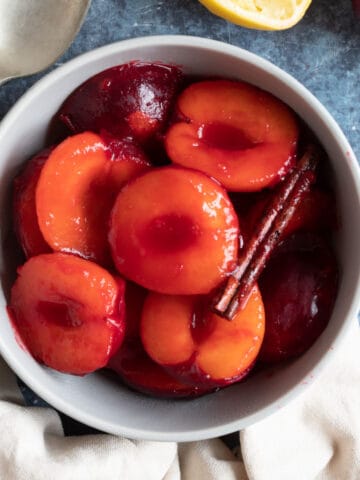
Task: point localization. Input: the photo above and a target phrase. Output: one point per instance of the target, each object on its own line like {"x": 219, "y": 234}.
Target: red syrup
{"x": 18, "y": 338}
{"x": 169, "y": 234}
{"x": 201, "y": 324}
{"x": 224, "y": 137}
{"x": 132, "y": 364}
{"x": 62, "y": 314}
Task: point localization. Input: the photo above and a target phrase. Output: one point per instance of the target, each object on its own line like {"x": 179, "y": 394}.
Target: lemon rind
{"x": 255, "y": 20}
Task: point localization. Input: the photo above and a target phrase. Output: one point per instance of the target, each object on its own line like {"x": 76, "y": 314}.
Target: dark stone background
{"x": 322, "y": 51}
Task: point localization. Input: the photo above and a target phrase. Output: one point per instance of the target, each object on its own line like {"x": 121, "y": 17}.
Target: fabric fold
{"x": 315, "y": 437}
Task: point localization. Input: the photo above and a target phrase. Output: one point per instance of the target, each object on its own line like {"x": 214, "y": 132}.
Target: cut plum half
{"x": 68, "y": 312}
{"x": 133, "y": 364}
{"x": 25, "y": 219}
{"x": 174, "y": 230}
{"x": 131, "y": 99}
{"x": 77, "y": 188}
{"x": 196, "y": 345}
{"x": 235, "y": 132}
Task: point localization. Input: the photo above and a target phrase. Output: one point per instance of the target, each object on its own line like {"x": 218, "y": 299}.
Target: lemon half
{"x": 260, "y": 14}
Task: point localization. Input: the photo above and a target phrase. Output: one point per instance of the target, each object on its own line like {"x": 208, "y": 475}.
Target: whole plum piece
{"x": 181, "y": 232}
{"x": 298, "y": 287}
{"x": 133, "y": 100}
{"x": 26, "y": 224}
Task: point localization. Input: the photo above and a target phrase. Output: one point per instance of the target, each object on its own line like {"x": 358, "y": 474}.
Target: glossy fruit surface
{"x": 315, "y": 213}
{"x": 25, "y": 218}
{"x": 238, "y": 134}
{"x": 140, "y": 372}
{"x": 299, "y": 287}
{"x": 76, "y": 191}
{"x": 174, "y": 230}
{"x": 131, "y": 99}
{"x": 201, "y": 348}
{"x": 134, "y": 365}
{"x": 69, "y": 312}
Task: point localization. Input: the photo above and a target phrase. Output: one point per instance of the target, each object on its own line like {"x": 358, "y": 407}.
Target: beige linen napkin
{"x": 316, "y": 437}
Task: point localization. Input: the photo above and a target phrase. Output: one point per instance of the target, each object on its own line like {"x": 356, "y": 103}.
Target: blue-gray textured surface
{"x": 322, "y": 51}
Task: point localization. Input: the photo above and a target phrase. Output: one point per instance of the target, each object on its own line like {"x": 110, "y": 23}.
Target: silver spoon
{"x": 34, "y": 33}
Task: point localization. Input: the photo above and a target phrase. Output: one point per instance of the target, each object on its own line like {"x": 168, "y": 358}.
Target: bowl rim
{"x": 299, "y": 90}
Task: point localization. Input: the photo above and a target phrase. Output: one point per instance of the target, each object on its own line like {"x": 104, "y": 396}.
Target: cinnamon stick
{"x": 265, "y": 237}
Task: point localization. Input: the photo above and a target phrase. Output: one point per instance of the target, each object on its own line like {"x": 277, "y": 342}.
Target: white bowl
{"x": 98, "y": 401}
